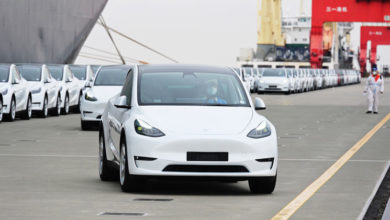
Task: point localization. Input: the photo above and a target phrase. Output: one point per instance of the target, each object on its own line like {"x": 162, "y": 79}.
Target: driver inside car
{"x": 212, "y": 94}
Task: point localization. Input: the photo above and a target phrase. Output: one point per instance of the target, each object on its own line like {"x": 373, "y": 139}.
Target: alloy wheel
{"x": 101, "y": 155}
{"x": 29, "y": 108}
{"x": 13, "y": 110}
{"x": 122, "y": 167}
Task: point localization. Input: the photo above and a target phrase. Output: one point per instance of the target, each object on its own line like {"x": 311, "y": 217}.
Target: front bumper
{"x": 167, "y": 156}
{"x": 92, "y": 111}
{"x": 273, "y": 87}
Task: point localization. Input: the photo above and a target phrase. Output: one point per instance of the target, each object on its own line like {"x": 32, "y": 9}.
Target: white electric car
{"x": 275, "y": 80}
{"x": 44, "y": 89}
{"x": 84, "y": 73}
{"x": 71, "y": 89}
{"x": 186, "y": 121}
{"x": 16, "y": 97}
{"x": 108, "y": 82}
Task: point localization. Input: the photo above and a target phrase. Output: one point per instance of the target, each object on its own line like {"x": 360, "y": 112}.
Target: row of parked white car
{"x": 42, "y": 89}
{"x": 289, "y": 81}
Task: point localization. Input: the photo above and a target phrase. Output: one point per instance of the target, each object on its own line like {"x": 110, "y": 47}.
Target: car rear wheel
{"x": 128, "y": 182}
{"x": 65, "y": 110}
{"x": 106, "y": 172}
{"x": 28, "y": 112}
{"x": 45, "y": 108}
{"x": 262, "y": 185}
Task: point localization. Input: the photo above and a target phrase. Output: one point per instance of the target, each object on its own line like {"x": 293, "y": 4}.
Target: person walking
{"x": 374, "y": 86}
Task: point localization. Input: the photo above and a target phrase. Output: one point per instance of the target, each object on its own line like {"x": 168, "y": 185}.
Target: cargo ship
{"x": 45, "y": 31}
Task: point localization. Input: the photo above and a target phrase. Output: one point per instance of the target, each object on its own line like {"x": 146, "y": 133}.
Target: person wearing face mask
{"x": 212, "y": 93}
{"x": 374, "y": 86}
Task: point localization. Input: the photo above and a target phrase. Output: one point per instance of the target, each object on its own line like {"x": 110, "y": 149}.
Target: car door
{"x": 19, "y": 91}
{"x": 49, "y": 86}
{"x": 117, "y": 116}
{"x": 72, "y": 87}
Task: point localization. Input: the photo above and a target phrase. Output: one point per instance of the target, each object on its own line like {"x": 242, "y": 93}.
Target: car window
{"x": 56, "y": 72}
{"x": 79, "y": 72}
{"x": 30, "y": 72}
{"x": 127, "y": 89}
{"x": 190, "y": 88}
{"x": 4, "y": 73}
{"x": 111, "y": 76}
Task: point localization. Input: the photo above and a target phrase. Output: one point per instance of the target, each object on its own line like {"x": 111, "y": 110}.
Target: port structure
{"x": 342, "y": 11}
{"x": 377, "y": 35}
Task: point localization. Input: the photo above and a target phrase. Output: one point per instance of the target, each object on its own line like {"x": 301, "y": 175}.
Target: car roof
{"x": 183, "y": 67}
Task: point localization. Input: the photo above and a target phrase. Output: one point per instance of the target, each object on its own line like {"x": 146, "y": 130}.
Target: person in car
{"x": 374, "y": 86}
{"x": 212, "y": 93}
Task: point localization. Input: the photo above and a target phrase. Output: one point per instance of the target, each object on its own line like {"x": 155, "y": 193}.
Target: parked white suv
{"x": 71, "y": 90}
{"x": 15, "y": 93}
{"x": 44, "y": 89}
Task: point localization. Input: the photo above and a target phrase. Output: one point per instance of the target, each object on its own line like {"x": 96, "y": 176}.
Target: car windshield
{"x": 274, "y": 73}
{"x": 56, "y": 72}
{"x": 248, "y": 71}
{"x": 30, "y": 73}
{"x": 79, "y": 72}
{"x": 191, "y": 88}
{"x": 95, "y": 68}
{"x": 111, "y": 76}
{"x": 4, "y": 70}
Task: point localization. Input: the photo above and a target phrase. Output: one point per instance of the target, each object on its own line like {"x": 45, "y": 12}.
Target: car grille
{"x": 206, "y": 169}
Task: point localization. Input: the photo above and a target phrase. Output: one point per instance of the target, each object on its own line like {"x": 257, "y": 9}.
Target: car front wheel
{"x": 28, "y": 112}
{"x": 128, "y": 182}
{"x": 262, "y": 185}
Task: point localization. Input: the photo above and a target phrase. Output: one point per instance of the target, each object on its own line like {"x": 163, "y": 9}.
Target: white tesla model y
{"x": 186, "y": 121}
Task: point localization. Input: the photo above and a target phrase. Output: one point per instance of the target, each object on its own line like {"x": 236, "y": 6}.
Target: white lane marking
{"x": 377, "y": 185}
{"x": 47, "y": 155}
{"x": 330, "y": 160}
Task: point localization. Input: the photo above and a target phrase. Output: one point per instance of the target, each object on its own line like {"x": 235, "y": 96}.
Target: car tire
{"x": 85, "y": 125}
{"x": 57, "y": 109}
{"x": 106, "y": 172}
{"x": 1, "y": 110}
{"x": 12, "y": 111}
{"x": 262, "y": 185}
{"x": 26, "y": 114}
{"x": 128, "y": 182}
{"x": 65, "y": 110}
{"x": 45, "y": 108}
{"x": 77, "y": 108}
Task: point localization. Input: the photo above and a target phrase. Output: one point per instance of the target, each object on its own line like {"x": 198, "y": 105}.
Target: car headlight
{"x": 5, "y": 92}
{"x": 144, "y": 128}
{"x": 261, "y": 81}
{"x": 36, "y": 90}
{"x": 285, "y": 81}
{"x": 262, "y": 130}
{"x": 90, "y": 96}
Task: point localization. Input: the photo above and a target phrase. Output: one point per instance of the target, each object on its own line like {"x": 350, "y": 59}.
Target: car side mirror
{"x": 121, "y": 102}
{"x": 259, "y": 104}
{"x": 88, "y": 84}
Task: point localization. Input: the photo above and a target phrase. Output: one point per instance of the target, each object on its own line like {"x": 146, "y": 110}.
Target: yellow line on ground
{"x": 307, "y": 193}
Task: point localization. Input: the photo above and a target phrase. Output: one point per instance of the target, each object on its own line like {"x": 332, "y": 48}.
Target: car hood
{"x": 198, "y": 120}
{"x": 275, "y": 80}
{"x": 33, "y": 84}
{"x": 104, "y": 93}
